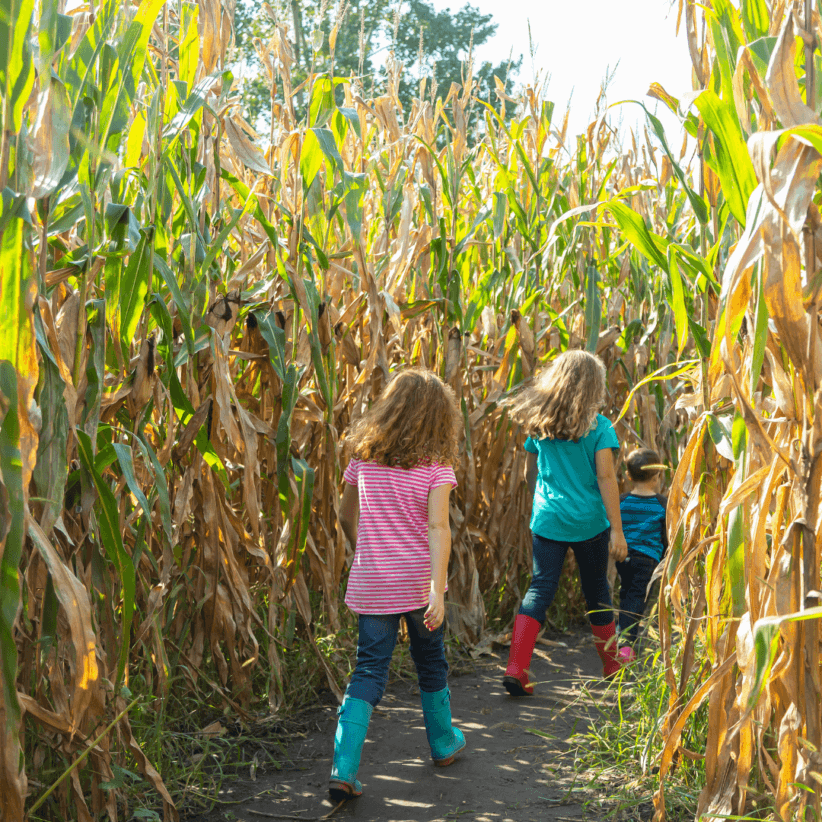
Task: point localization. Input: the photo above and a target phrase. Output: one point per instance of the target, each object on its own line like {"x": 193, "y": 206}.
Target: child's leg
{"x": 428, "y": 653}
{"x": 635, "y": 577}
{"x": 375, "y": 645}
{"x": 548, "y": 559}
{"x": 592, "y": 559}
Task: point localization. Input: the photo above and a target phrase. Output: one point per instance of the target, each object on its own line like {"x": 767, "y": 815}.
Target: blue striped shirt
{"x": 643, "y": 521}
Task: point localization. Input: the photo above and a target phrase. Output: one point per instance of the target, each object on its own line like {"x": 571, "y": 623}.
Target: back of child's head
{"x": 415, "y": 421}
{"x": 643, "y": 464}
{"x": 564, "y": 402}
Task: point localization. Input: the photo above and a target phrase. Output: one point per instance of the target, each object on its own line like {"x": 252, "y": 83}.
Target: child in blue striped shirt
{"x": 643, "y": 521}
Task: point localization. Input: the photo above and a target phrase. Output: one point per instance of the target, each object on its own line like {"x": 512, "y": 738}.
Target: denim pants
{"x": 592, "y": 559}
{"x": 634, "y": 576}
{"x": 375, "y": 645}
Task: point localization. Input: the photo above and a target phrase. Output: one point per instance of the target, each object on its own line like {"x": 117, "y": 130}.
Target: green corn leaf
{"x": 217, "y": 246}
{"x": 635, "y": 230}
{"x": 109, "y": 524}
{"x": 132, "y": 57}
{"x": 189, "y": 44}
{"x": 16, "y": 63}
{"x": 500, "y": 203}
{"x": 311, "y": 158}
{"x": 51, "y": 468}
{"x": 699, "y": 205}
{"x": 53, "y": 33}
{"x": 321, "y": 105}
{"x": 275, "y": 337}
{"x": 734, "y": 166}
{"x": 290, "y": 395}
{"x": 314, "y": 341}
{"x": 184, "y": 411}
{"x": 245, "y": 192}
{"x": 355, "y": 187}
{"x": 766, "y": 642}
{"x": 678, "y": 301}
{"x": 194, "y": 102}
{"x": 83, "y": 63}
{"x": 15, "y": 279}
{"x": 12, "y": 524}
{"x": 126, "y": 460}
{"x": 726, "y": 28}
{"x": 134, "y": 282}
{"x": 756, "y": 18}
{"x": 95, "y": 368}
{"x": 593, "y": 307}
{"x": 304, "y": 480}
{"x": 329, "y": 148}
{"x": 703, "y": 343}
{"x": 183, "y": 308}
{"x": 760, "y": 334}
{"x": 159, "y": 483}
{"x": 48, "y": 629}
{"x": 353, "y": 118}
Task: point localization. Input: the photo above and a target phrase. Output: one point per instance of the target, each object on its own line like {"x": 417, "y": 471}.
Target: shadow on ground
{"x": 517, "y": 766}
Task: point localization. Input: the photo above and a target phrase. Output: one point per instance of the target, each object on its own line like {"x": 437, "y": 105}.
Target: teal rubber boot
{"x": 445, "y": 740}
{"x": 352, "y": 726}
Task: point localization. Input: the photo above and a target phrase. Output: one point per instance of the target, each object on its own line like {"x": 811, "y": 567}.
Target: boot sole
{"x": 444, "y": 763}
{"x": 515, "y": 687}
{"x": 339, "y": 791}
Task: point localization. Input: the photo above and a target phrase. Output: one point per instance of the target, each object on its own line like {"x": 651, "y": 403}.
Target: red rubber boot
{"x": 523, "y": 640}
{"x": 606, "y": 642}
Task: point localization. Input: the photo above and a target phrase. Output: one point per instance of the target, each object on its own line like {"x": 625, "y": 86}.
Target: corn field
{"x": 194, "y": 313}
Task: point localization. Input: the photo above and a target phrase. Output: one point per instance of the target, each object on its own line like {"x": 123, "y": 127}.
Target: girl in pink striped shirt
{"x": 394, "y": 511}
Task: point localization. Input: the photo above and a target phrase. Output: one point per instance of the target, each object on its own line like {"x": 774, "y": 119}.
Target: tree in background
{"x": 431, "y": 46}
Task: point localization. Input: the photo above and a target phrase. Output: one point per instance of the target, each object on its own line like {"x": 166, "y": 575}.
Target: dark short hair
{"x": 642, "y": 464}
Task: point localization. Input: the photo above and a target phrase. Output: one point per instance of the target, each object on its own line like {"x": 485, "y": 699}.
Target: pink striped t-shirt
{"x": 391, "y": 573}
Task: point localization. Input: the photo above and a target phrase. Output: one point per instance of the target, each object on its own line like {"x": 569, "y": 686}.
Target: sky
{"x": 579, "y": 41}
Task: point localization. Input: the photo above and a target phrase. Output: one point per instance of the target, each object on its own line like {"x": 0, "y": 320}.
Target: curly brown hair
{"x": 564, "y": 402}
{"x": 415, "y": 421}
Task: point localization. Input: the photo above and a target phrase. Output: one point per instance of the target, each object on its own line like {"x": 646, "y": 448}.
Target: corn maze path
{"x": 518, "y": 765}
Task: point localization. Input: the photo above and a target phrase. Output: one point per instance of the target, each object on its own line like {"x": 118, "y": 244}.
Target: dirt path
{"x": 516, "y": 767}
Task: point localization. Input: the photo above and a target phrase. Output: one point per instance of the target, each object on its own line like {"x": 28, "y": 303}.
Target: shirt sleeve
{"x": 443, "y": 475}
{"x": 531, "y": 445}
{"x": 352, "y": 472}
{"x": 606, "y": 436}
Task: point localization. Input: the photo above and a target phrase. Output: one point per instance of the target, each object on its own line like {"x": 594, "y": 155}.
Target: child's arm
{"x": 439, "y": 544}
{"x": 349, "y": 511}
{"x": 531, "y": 471}
{"x": 608, "y": 488}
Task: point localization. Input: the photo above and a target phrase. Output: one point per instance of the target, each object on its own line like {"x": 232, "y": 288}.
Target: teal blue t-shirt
{"x": 567, "y": 502}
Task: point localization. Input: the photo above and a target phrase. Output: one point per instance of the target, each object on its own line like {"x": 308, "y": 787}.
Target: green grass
{"x": 623, "y": 739}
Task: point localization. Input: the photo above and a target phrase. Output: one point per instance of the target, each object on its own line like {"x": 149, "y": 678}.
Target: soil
{"x": 518, "y": 764}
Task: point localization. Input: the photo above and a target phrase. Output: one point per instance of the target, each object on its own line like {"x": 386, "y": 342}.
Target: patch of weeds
{"x": 622, "y": 746}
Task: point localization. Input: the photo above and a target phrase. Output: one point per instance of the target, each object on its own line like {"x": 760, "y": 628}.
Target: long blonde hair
{"x": 564, "y": 402}
{"x": 415, "y": 421}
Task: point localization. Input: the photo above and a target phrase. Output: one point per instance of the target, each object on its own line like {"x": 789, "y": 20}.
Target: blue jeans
{"x": 634, "y": 576}
{"x": 592, "y": 559}
{"x": 375, "y": 645}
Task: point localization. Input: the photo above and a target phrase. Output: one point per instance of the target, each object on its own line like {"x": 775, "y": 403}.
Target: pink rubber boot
{"x": 523, "y": 639}
{"x": 606, "y": 643}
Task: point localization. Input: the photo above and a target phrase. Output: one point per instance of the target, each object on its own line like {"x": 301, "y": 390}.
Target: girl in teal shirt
{"x": 570, "y": 471}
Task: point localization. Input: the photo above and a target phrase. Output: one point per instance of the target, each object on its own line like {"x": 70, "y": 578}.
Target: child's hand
{"x": 435, "y": 613}
{"x": 618, "y": 547}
